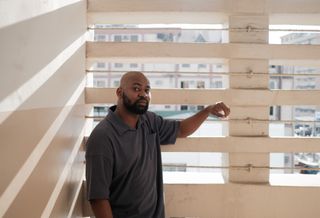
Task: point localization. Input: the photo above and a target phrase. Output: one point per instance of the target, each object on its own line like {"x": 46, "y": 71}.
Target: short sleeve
{"x": 99, "y": 165}
{"x": 98, "y": 176}
{"x": 168, "y": 130}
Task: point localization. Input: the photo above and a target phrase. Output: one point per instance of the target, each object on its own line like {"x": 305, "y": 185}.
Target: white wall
{"x": 42, "y": 108}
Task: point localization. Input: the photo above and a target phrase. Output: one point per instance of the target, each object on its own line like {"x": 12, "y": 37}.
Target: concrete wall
{"x": 241, "y": 201}
{"x": 42, "y": 106}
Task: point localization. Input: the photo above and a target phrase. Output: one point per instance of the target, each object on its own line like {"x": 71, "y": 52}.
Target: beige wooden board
{"x": 233, "y": 97}
{"x": 253, "y": 175}
{"x": 240, "y": 200}
{"x": 248, "y": 21}
{"x": 245, "y": 145}
{"x": 146, "y": 50}
{"x": 252, "y": 128}
{"x": 227, "y": 6}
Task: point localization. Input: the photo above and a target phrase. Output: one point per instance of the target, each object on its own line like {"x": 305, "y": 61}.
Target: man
{"x": 123, "y": 157}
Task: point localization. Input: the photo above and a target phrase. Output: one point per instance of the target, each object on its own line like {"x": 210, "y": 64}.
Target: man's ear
{"x": 119, "y": 92}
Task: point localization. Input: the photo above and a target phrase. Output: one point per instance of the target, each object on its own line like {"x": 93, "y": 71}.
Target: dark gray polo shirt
{"x": 123, "y": 164}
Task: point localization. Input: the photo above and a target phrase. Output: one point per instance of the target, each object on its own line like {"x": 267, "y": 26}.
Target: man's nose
{"x": 144, "y": 94}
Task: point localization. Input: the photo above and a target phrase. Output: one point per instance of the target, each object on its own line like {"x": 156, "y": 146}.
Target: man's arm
{"x": 191, "y": 124}
{"x": 101, "y": 208}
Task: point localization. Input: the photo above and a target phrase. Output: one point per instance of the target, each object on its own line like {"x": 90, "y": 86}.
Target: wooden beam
{"x": 244, "y": 200}
{"x": 233, "y": 97}
{"x": 245, "y": 145}
{"x": 203, "y": 11}
{"x": 212, "y": 6}
{"x": 153, "y": 50}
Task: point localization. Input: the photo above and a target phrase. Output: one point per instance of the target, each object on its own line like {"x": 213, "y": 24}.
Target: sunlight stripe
{"x": 20, "y": 95}
{"x": 21, "y": 177}
{"x": 57, "y": 189}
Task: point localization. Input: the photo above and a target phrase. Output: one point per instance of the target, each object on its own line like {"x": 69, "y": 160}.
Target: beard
{"x": 134, "y": 107}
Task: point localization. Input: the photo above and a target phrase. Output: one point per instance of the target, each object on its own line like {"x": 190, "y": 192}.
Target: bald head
{"x": 132, "y": 77}
{"x": 134, "y": 93}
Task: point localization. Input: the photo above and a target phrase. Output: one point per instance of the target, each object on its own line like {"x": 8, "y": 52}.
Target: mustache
{"x": 142, "y": 98}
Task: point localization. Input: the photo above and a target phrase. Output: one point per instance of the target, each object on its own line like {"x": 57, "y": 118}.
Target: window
{"x": 200, "y": 107}
{"x": 271, "y": 111}
{"x": 216, "y": 84}
{"x": 184, "y": 84}
{"x": 184, "y": 107}
{"x": 101, "y": 83}
{"x": 101, "y": 65}
{"x": 185, "y": 65}
{"x": 202, "y": 66}
{"x": 165, "y": 37}
{"x": 272, "y": 85}
{"x": 200, "y": 84}
{"x": 118, "y": 65}
{"x": 100, "y": 111}
{"x": 159, "y": 82}
{"x": 134, "y": 38}
{"x": 100, "y": 37}
{"x": 133, "y": 65}
{"x": 116, "y": 83}
{"x": 117, "y": 38}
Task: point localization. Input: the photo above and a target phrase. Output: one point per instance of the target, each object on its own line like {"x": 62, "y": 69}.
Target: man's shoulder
{"x": 103, "y": 130}
{"x": 103, "y": 126}
{"x": 99, "y": 138}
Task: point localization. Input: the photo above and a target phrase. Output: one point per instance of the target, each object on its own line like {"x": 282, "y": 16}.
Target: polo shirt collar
{"x": 119, "y": 124}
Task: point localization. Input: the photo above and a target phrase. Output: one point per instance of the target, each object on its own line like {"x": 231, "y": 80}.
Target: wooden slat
{"x": 202, "y": 11}
{"x": 242, "y": 144}
{"x": 225, "y": 6}
{"x": 233, "y": 97}
{"x": 158, "y": 5}
{"x": 145, "y": 50}
{"x": 244, "y": 200}
{"x": 292, "y": 6}
{"x": 156, "y": 17}
{"x": 192, "y": 18}
{"x": 245, "y": 145}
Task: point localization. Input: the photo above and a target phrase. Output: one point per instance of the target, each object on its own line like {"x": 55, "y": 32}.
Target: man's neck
{"x": 129, "y": 118}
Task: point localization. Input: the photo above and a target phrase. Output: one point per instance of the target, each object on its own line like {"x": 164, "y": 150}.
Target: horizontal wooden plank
{"x": 158, "y": 5}
{"x": 233, "y": 97}
{"x": 192, "y": 18}
{"x": 145, "y": 50}
{"x": 202, "y": 11}
{"x": 156, "y": 17}
{"x": 225, "y": 6}
{"x": 245, "y": 145}
{"x": 243, "y": 200}
{"x": 239, "y": 200}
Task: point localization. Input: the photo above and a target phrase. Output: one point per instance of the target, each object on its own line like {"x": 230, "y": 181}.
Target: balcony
{"x": 48, "y": 54}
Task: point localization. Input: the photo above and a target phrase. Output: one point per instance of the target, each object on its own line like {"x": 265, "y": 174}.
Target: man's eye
{"x": 147, "y": 91}
{"x": 136, "y": 89}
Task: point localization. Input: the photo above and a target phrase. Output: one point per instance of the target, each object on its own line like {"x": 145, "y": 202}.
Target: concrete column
{"x": 247, "y": 120}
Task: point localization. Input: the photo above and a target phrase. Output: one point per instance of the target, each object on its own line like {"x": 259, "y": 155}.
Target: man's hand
{"x": 219, "y": 109}
{"x": 191, "y": 124}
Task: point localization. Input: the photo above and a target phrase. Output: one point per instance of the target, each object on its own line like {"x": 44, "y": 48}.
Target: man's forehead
{"x": 135, "y": 78}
